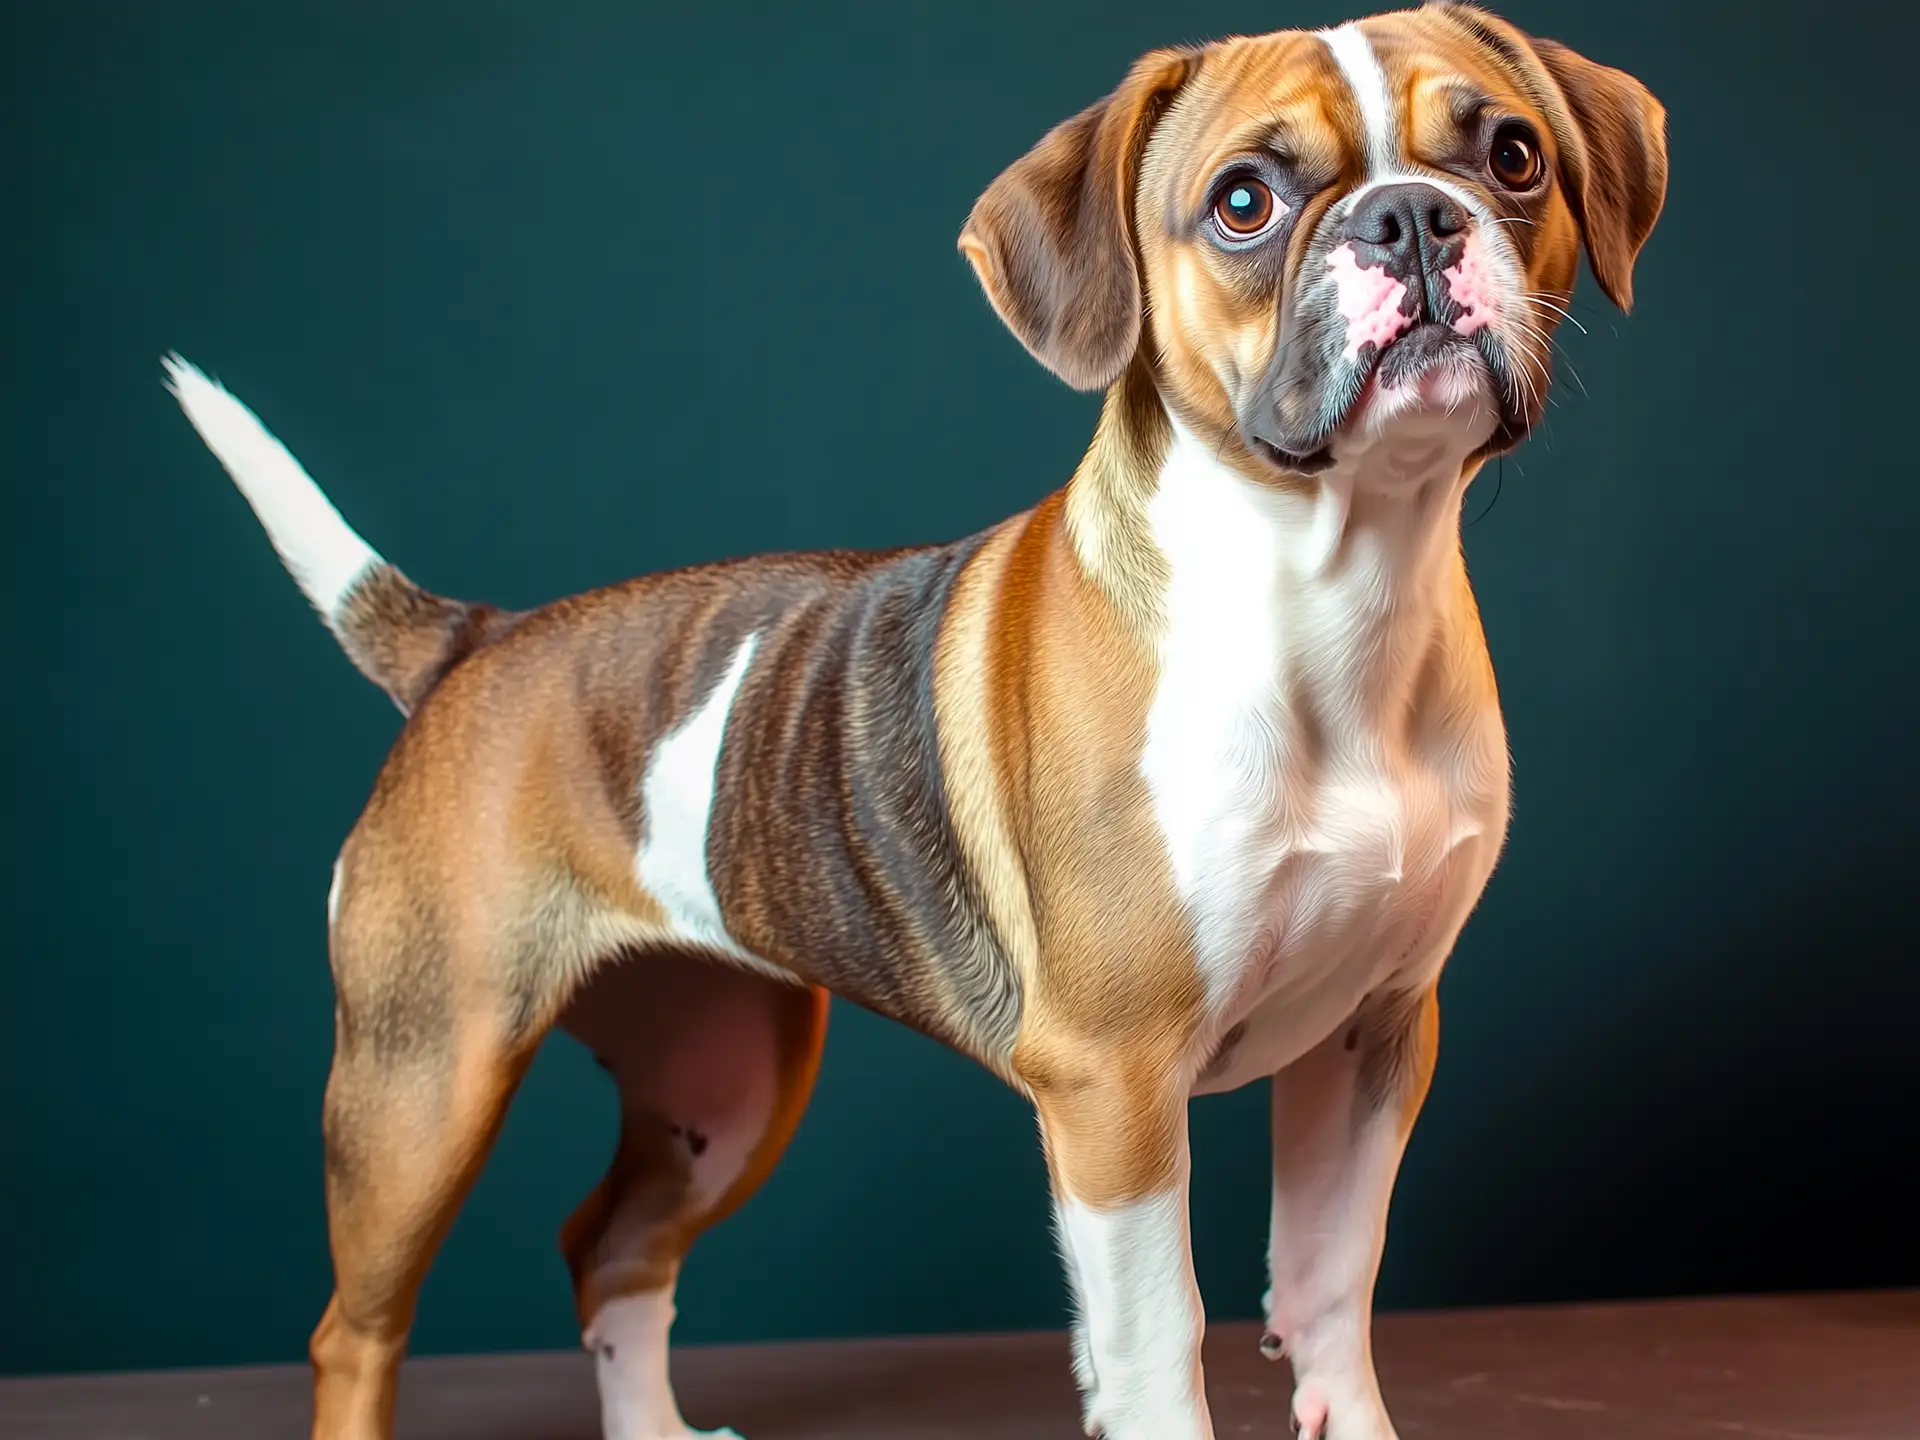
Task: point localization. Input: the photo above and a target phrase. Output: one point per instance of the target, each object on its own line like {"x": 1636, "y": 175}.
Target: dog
{"x": 1188, "y": 776}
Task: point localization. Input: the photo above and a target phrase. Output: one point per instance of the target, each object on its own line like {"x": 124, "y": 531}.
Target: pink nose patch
{"x": 1369, "y": 301}
{"x": 1472, "y": 288}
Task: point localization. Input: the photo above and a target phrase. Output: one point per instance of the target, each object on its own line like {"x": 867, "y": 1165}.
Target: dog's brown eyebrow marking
{"x": 1289, "y": 141}
{"x": 1467, "y": 102}
{"x": 1276, "y": 135}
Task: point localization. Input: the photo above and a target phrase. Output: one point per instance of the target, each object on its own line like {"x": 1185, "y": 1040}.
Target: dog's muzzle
{"x": 1398, "y": 292}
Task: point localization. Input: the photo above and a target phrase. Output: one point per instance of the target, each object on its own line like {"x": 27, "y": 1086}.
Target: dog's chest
{"x": 1316, "y": 838}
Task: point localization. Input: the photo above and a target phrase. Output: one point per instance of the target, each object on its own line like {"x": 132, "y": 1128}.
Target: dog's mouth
{"x": 1427, "y": 350}
{"x": 1434, "y": 370}
{"x": 1431, "y": 368}
{"x": 1434, "y": 373}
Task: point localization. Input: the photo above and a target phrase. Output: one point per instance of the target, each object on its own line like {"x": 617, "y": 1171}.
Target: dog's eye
{"x": 1244, "y": 209}
{"x": 1515, "y": 157}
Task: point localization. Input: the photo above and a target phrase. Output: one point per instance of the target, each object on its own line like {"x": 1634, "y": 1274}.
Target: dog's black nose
{"x": 1409, "y": 223}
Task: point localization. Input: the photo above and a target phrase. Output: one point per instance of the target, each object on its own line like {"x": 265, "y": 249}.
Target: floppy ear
{"x": 1621, "y": 183}
{"x": 1052, "y": 241}
{"x": 1612, "y": 138}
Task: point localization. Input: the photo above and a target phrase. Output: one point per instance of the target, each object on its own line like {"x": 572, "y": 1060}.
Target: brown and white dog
{"x": 1188, "y": 776}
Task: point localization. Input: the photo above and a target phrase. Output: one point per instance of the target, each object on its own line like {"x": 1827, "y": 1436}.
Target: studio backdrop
{"x": 549, "y": 294}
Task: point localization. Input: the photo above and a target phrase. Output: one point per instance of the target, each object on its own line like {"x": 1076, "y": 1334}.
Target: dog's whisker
{"x": 1548, "y": 303}
{"x": 1555, "y": 347}
{"x": 1527, "y": 350}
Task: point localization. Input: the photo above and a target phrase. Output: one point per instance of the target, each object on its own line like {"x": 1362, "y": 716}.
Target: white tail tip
{"x": 321, "y": 551}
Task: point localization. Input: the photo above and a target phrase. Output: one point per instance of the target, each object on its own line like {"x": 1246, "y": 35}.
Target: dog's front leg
{"x": 1115, "y": 1130}
{"x": 1341, "y": 1117}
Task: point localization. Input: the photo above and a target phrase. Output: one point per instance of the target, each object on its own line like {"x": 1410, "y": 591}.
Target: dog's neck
{"x": 1353, "y": 571}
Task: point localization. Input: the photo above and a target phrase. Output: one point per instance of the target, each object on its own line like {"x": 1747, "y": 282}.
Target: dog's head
{"x": 1316, "y": 239}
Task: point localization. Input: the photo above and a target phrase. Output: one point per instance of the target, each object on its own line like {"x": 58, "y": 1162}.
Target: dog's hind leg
{"x": 403, "y": 1149}
{"x": 714, "y": 1067}
{"x": 438, "y": 1013}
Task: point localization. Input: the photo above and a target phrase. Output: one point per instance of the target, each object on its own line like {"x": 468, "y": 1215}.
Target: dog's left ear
{"x": 1612, "y": 138}
{"x": 1052, "y": 239}
{"x": 1622, "y": 183}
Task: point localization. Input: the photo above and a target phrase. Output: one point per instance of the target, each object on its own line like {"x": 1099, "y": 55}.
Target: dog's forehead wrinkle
{"x": 1263, "y": 90}
{"x": 1466, "y": 101}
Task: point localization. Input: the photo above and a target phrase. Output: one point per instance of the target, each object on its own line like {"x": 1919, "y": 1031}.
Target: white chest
{"x": 1319, "y": 840}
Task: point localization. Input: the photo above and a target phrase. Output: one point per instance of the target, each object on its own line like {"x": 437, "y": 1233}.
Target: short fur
{"x": 1188, "y": 776}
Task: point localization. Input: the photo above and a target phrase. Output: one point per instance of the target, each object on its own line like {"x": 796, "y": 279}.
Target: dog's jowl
{"x": 1188, "y": 776}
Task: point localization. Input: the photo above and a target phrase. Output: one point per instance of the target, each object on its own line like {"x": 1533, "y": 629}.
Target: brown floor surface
{"x": 1834, "y": 1367}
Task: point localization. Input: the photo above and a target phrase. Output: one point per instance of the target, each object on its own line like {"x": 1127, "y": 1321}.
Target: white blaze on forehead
{"x": 1353, "y": 53}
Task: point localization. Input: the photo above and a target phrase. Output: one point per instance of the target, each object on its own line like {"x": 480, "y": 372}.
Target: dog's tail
{"x": 399, "y": 636}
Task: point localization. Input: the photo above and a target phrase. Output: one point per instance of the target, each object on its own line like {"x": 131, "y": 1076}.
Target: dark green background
{"x": 551, "y": 293}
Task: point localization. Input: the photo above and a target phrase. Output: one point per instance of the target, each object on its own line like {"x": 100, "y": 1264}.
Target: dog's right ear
{"x": 1623, "y": 175}
{"x": 1611, "y": 134}
{"x": 1052, "y": 239}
